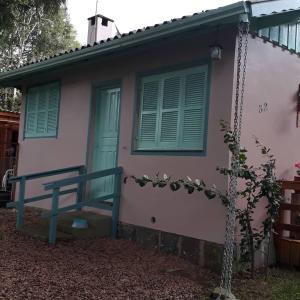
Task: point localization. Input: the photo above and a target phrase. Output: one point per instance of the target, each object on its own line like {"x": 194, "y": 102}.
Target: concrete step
{"x": 98, "y": 226}
{"x": 41, "y": 232}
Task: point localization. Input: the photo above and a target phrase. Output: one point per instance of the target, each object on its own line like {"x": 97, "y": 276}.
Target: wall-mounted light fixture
{"x": 216, "y": 52}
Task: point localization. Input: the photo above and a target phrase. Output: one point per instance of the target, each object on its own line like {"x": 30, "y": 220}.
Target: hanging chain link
{"x": 229, "y": 246}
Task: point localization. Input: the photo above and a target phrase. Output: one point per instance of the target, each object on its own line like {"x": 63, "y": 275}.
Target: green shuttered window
{"x": 42, "y": 111}
{"x": 172, "y": 115}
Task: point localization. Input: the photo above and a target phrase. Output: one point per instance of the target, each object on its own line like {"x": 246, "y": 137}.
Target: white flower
{"x": 165, "y": 177}
{"x": 197, "y": 181}
{"x": 146, "y": 177}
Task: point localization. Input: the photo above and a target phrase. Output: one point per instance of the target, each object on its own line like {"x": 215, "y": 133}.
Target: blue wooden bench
{"x": 107, "y": 202}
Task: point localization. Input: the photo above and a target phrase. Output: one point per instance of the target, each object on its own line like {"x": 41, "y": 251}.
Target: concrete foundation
{"x": 203, "y": 253}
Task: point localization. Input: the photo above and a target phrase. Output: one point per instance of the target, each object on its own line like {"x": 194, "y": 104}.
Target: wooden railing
{"x": 55, "y": 188}
{"x": 99, "y": 202}
{"x": 22, "y": 180}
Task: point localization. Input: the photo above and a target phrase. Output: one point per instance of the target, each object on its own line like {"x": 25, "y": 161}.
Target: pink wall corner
{"x": 273, "y": 77}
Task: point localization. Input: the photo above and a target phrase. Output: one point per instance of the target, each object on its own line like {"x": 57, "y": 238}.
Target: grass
{"x": 278, "y": 284}
{"x": 283, "y": 285}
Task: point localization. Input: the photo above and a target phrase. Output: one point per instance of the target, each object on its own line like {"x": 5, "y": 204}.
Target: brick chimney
{"x": 100, "y": 28}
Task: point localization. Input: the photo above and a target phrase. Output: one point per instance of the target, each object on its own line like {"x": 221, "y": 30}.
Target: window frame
{"x": 137, "y": 109}
{"x": 42, "y": 135}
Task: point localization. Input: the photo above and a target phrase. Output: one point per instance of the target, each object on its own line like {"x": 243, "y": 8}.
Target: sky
{"x": 134, "y": 14}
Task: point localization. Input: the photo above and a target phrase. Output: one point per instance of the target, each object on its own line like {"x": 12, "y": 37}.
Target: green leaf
{"x": 140, "y": 182}
{"x": 162, "y": 184}
{"x": 210, "y": 194}
{"x": 175, "y": 186}
{"x": 199, "y": 188}
{"x": 190, "y": 189}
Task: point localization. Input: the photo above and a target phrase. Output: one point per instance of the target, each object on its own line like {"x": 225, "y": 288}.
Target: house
{"x": 9, "y": 128}
{"x": 150, "y": 101}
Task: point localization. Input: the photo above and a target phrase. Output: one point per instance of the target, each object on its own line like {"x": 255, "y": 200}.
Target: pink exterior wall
{"x": 189, "y": 215}
{"x": 273, "y": 77}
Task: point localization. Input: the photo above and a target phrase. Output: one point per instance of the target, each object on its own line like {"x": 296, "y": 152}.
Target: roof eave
{"x": 225, "y": 14}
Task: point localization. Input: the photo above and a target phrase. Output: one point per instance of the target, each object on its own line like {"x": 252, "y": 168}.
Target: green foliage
{"x": 8, "y": 9}
{"x": 31, "y": 30}
{"x": 283, "y": 285}
{"x": 256, "y": 183}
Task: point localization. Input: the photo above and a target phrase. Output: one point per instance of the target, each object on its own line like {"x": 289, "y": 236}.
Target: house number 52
{"x": 263, "y": 108}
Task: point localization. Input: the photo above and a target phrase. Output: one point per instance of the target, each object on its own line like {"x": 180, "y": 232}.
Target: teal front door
{"x": 106, "y": 135}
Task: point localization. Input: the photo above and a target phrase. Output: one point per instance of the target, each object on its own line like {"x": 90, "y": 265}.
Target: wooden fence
{"x": 286, "y": 240}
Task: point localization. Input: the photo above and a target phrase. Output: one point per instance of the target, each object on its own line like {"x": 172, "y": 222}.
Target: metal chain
{"x": 226, "y": 275}
{"x": 246, "y": 34}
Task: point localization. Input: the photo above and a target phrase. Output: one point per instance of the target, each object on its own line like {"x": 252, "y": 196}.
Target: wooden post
{"x": 20, "y": 205}
{"x": 116, "y": 204}
{"x": 53, "y": 220}
{"x": 81, "y": 190}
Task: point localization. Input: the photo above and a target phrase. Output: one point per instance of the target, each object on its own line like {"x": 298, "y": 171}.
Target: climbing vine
{"x": 256, "y": 183}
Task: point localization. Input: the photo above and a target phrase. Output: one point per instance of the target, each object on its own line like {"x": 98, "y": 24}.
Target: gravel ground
{"x": 115, "y": 269}
{"x": 91, "y": 269}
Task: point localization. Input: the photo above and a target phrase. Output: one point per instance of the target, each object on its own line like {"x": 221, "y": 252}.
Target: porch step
{"x": 98, "y": 226}
{"x": 41, "y": 232}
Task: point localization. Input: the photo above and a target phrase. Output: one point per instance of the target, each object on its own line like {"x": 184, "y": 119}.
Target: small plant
{"x": 297, "y": 165}
{"x": 257, "y": 183}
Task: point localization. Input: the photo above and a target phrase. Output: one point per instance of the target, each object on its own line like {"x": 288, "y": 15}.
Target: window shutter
{"x": 42, "y": 110}
{"x": 149, "y": 111}
{"x": 53, "y": 99}
{"x": 193, "y": 127}
{"x": 31, "y": 112}
{"x": 170, "y": 112}
{"x": 173, "y": 110}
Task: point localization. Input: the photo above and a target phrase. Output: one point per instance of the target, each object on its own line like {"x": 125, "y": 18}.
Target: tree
{"x": 33, "y": 30}
{"x": 8, "y": 8}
